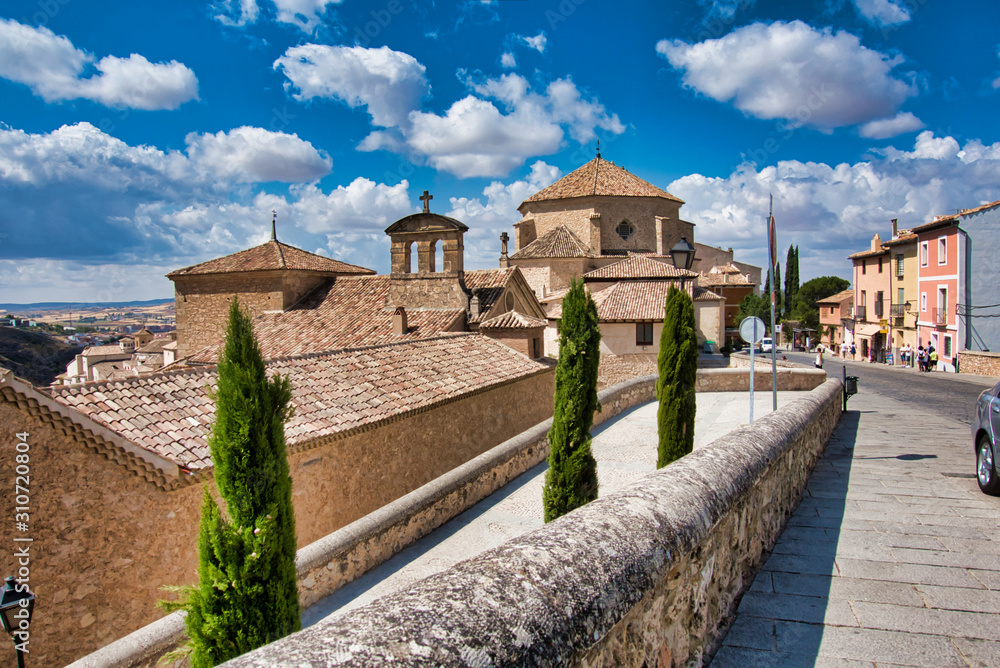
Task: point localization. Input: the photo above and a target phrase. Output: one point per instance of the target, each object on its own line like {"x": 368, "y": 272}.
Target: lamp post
{"x": 682, "y": 255}
{"x": 16, "y": 605}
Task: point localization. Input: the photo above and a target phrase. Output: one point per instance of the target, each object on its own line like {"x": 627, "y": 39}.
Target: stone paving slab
{"x": 893, "y": 526}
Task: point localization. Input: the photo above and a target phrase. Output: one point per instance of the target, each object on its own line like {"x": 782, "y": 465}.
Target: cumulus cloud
{"x": 305, "y": 14}
{"x": 538, "y": 42}
{"x": 882, "y": 12}
{"x": 833, "y": 210}
{"x": 476, "y": 138}
{"x": 508, "y": 60}
{"x": 256, "y": 155}
{"x": 791, "y": 71}
{"x": 388, "y": 83}
{"x": 884, "y": 128}
{"x": 53, "y": 68}
{"x": 495, "y": 212}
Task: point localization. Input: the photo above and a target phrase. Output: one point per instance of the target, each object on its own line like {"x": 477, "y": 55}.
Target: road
{"x": 945, "y": 394}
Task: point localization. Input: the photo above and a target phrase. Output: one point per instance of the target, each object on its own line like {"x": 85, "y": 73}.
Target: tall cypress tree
{"x": 777, "y": 291}
{"x": 571, "y": 480}
{"x": 677, "y": 364}
{"x": 247, "y": 594}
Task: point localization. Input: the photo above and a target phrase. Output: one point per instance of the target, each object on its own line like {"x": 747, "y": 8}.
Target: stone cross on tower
{"x": 426, "y": 199}
{"x": 504, "y": 260}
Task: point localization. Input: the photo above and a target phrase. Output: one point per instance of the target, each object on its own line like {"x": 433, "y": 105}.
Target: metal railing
{"x": 940, "y": 316}
{"x": 897, "y": 310}
{"x": 858, "y": 312}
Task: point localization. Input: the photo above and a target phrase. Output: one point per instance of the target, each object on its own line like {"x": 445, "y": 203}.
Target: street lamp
{"x": 16, "y": 606}
{"x": 682, "y": 255}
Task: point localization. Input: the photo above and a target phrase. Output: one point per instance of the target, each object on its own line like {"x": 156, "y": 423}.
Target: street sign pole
{"x": 772, "y": 234}
{"x": 752, "y": 330}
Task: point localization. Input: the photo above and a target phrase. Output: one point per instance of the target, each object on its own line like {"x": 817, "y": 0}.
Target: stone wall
{"x": 642, "y": 577}
{"x": 106, "y": 540}
{"x": 979, "y": 362}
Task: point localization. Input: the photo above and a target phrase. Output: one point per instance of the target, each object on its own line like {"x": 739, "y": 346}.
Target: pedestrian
{"x": 921, "y": 359}
{"x": 932, "y": 359}
{"x": 819, "y": 357}
{"x": 854, "y": 351}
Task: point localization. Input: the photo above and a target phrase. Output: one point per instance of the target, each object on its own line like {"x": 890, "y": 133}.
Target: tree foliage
{"x": 571, "y": 480}
{"x": 805, "y": 308}
{"x": 677, "y": 364}
{"x": 755, "y": 305}
{"x": 247, "y": 594}
{"x": 791, "y": 279}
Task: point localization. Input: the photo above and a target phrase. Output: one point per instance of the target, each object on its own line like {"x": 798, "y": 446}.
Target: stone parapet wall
{"x": 979, "y": 362}
{"x": 741, "y": 360}
{"x": 642, "y": 577}
{"x": 738, "y": 380}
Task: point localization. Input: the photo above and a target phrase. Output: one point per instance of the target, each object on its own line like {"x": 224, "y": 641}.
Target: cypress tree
{"x": 789, "y": 273}
{"x": 571, "y": 480}
{"x": 247, "y": 594}
{"x": 677, "y": 363}
{"x": 777, "y": 291}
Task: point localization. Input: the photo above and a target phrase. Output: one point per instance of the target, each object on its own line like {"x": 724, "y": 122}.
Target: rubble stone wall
{"x": 978, "y": 362}
{"x": 646, "y": 576}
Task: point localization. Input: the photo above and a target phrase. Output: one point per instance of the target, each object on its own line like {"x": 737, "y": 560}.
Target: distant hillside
{"x": 34, "y": 356}
{"x": 48, "y": 306}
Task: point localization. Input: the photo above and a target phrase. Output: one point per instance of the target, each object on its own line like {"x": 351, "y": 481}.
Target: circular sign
{"x": 752, "y": 329}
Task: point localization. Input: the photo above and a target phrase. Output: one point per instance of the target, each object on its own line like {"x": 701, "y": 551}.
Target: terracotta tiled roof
{"x": 600, "y": 177}
{"x": 909, "y": 237}
{"x": 638, "y": 266}
{"x": 867, "y": 253}
{"x": 155, "y": 346}
{"x": 945, "y": 220}
{"x": 269, "y": 257}
{"x": 838, "y": 298}
{"x": 111, "y": 349}
{"x": 171, "y": 413}
{"x": 489, "y": 284}
{"x": 512, "y": 320}
{"x": 628, "y": 301}
{"x": 345, "y": 312}
{"x": 725, "y": 269}
{"x": 724, "y": 279}
{"x": 704, "y": 294}
{"x": 560, "y": 242}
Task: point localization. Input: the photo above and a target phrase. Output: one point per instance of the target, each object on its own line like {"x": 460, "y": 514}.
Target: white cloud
{"x": 508, "y": 60}
{"x": 361, "y": 205}
{"x": 388, "y": 83}
{"x": 833, "y": 210}
{"x": 882, "y": 12}
{"x": 488, "y": 219}
{"x": 794, "y": 72}
{"x": 52, "y": 67}
{"x": 256, "y": 155}
{"x": 475, "y": 138}
{"x": 305, "y": 14}
{"x": 884, "y": 128}
{"x": 538, "y": 42}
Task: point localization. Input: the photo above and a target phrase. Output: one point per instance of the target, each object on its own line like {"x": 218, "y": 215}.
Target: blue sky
{"x": 140, "y": 137}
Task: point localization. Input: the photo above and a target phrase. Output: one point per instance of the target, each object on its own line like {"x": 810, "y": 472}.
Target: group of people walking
{"x": 924, "y": 359}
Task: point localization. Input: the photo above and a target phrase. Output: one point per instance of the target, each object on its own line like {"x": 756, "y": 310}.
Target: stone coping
{"x": 568, "y": 593}
{"x": 339, "y": 558}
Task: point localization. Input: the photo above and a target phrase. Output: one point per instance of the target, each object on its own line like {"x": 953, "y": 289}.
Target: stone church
{"x": 615, "y": 231}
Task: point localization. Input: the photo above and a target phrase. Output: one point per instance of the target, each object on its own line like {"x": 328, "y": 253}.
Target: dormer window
{"x": 625, "y": 230}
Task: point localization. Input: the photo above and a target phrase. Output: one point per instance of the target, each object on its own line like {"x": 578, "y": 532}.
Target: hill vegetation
{"x": 34, "y": 356}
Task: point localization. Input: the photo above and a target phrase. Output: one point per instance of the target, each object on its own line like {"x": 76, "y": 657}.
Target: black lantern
{"x": 682, "y": 255}
{"x": 16, "y": 605}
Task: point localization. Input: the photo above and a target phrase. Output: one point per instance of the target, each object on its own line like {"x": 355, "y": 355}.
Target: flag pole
{"x": 772, "y": 251}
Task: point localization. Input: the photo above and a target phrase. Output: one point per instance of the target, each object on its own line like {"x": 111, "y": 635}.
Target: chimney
{"x": 895, "y": 228}
{"x": 399, "y": 327}
{"x": 474, "y": 305}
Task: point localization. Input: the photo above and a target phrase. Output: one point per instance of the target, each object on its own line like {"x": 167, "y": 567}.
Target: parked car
{"x": 766, "y": 344}
{"x": 985, "y": 426}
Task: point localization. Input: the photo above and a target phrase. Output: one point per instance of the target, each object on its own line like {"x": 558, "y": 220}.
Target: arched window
{"x": 411, "y": 258}
{"x": 625, "y": 230}
{"x": 433, "y": 257}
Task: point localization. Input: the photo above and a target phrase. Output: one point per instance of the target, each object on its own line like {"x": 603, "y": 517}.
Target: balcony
{"x": 859, "y": 313}
{"x": 897, "y": 310}
{"x": 940, "y": 316}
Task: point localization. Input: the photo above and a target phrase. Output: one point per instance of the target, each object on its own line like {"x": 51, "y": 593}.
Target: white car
{"x": 766, "y": 344}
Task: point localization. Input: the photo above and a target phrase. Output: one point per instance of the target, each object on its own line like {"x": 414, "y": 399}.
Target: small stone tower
{"x": 437, "y": 277}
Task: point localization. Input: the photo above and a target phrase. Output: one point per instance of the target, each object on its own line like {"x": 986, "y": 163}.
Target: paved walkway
{"x": 625, "y": 449}
{"x": 892, "y": 559}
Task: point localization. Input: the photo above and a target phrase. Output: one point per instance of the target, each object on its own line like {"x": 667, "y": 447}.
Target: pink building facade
{"x": 940, "y": 285}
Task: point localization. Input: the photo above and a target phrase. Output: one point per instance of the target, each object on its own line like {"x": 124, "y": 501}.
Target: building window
{"x": 831, "y": 309}
{"x": 625, "y": 230}
{"x": 923, "y": 254}
{"x": 901, "y": 299}
{"x": 923, "y": 301}
{"x": 643, "y": 333}
{"x": 943, "y": 250}
{"x": 899, "y": 265}
{"x": 880, "y": 265}
{"x": 947, "y": 346}
{"x": 864, "y": 267}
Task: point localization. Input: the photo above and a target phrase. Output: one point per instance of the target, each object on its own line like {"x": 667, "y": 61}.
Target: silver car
{"x": 985, "y": 430}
